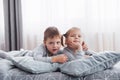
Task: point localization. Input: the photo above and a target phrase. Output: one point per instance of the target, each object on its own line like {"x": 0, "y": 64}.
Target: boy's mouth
{"x": 76, "y": 41}
{"x": 55, "y": 49}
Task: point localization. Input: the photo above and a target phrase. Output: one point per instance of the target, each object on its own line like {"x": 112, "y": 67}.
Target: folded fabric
{"x": 28, "y": 64}
{"x": 5, "y": 66}
{"x": 95, "y": 63}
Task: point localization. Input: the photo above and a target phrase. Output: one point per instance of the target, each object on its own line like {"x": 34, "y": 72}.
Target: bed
{"x": 14, "y": 73}
{"x": 10, "y": 72}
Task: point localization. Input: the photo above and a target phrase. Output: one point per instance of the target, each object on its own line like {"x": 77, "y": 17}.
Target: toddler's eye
{"x": 79, "y": 36}
{"x": 72, "y": 36}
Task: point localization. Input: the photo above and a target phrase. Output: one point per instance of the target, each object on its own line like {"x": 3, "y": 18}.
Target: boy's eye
{"x": 51, "y": 43}
{"x": 58, "y": 42}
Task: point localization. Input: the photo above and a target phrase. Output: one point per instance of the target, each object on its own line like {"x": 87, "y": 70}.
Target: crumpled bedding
{"x": 108, "y": 74}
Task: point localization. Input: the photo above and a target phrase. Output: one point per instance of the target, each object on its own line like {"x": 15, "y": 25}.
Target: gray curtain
{"x": 13, "y": 24}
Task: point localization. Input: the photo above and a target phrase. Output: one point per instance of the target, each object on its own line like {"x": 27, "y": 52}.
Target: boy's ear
{"x": 44, "y": 42}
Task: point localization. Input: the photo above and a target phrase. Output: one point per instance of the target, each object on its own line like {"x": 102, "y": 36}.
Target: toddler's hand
{"x": 76, "y": 45}
{"x": 84, "y": 46}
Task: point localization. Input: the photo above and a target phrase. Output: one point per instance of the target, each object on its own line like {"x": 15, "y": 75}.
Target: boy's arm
{"x": 53, "y": 59}
{"x": 40, "y": 54}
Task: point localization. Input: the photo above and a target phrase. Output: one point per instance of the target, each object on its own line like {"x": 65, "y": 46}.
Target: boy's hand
{"x": 60, "y": 58}
{"x": 86, "y": 56}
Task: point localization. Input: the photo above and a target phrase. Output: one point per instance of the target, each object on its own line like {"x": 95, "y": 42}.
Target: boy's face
{"x": 53, "y": 44}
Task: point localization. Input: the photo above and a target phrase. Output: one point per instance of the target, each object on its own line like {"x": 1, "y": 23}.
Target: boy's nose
{"x": 55, "y": 44}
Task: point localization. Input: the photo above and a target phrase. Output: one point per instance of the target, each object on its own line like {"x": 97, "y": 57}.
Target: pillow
{"x": 86, "y": 66}
{"x": 28, "y": 64}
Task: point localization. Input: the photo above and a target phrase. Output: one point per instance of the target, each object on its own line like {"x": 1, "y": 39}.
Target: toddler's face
{"x": 74, "y": 38}
{"x": 53, "y": 44}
